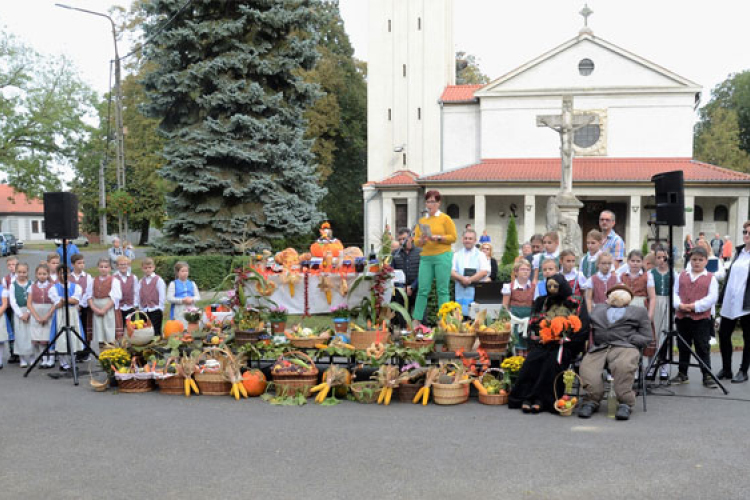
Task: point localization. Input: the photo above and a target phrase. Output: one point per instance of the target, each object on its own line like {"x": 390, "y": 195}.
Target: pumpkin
{"x": 320, "y": 247}
{"x": 341, "y": 390}
{"x": 254, "y": 382}
{"x": 352, "y": 253}
{"x": 287, "y": 257}
{"x": 172, "y": 327}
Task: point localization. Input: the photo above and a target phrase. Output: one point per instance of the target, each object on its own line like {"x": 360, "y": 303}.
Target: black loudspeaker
{"x": 60, "y": 216}
{"x": 670, "y": 198}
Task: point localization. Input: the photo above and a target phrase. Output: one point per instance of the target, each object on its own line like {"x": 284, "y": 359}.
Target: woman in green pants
{"x": 436, "y": 258}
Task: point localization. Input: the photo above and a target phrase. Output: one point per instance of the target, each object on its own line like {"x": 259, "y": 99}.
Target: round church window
{"x": 587, "y": 136}
{"x": 586, "y": 67}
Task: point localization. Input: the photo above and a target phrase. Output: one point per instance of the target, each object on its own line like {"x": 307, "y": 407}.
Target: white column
{"x": 389, "y": 211}
{"x": 633, "y": 238}
{"x": 689, "y": 223}
{"x": 529, "y": 216}
{"x": 742, "y": 217}
{"x": 480, "y": 214}
{"x": 412, "y": 209}
{"x": 372, "y": 215}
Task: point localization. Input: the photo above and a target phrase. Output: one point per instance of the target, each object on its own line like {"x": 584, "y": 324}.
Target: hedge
{"x": 207, "y": 271}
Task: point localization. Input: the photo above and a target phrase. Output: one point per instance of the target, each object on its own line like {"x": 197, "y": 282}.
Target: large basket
{"x": 494, "y": 399}
{"x": 494, "y": 342}
{"x": 419, "y": 344}
{"x": 454, "y": 342}
{"x": 363, "y": 340}
{"x": 214, "y": 383}
{"x": 366, "y": 392}
{"x": 174, "y": 385}
{"x": 242, "y": 337}
{"x": 141, "y": 336}
{"x": 450, "y": 394}
{"x": 292, "y": 383}
{"x": 406, "y": 392}
{"x": 134, "y": 382}
{"x": 306, "y": 342}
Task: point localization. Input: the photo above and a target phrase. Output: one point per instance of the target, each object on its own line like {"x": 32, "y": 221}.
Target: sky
{"x": 701, "y": 40}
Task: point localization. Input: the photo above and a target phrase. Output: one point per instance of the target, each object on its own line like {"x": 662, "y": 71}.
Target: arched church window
{"x": 721, "y": 214}
{"x": 587, "y": 136}
{"x": 453, "y": 211}
{"x": 698, "y": 216}
{"x": 471, "y": 212}
{"x": 586, "y": 67}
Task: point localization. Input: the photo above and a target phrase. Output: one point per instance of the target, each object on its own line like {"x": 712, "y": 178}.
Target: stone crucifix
{"x": 565, "y": 125}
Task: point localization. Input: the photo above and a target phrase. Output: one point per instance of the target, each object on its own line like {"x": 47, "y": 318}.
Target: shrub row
{"x": 207, "y": 271}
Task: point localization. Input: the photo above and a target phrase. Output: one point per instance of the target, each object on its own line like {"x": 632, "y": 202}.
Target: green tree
{"x": 338, "y": 124}
{"x": 227, "y": 91}
{"x": 468, "y": 71}
{"x": 717, "y": 140}
{"x": 511, "y": 243}
{"x": 42, "y": 110}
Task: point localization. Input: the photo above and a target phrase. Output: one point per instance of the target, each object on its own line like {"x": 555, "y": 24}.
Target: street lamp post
{"x": 119, "y": 129}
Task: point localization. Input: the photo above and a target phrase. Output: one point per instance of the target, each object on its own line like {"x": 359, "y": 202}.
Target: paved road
{"x": 33, "y": 257}
{"x": 61, "y": 441}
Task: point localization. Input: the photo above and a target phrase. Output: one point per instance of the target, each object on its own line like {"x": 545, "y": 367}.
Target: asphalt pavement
{"x": 62, "y": 441}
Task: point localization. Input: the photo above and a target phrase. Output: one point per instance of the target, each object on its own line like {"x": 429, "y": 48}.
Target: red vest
{"x": 40, "y": 295}
{"x": 127, "y": 287}
{"x": 102, "y": 287}
{"x": 690, "y": 291}
{"x": 149, "y": 294}
{"x": 639, "y": 284}
{"x": 82, "y": 281}
{"x": 599, "y": 292}
{"x": 521, "y": 298}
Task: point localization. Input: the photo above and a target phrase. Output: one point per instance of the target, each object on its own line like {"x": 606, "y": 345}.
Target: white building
{"x": 491, "y": 160}
{"x": 21, "y": 216}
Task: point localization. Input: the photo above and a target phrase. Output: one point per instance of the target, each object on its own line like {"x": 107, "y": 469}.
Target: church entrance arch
{"x": 588, "y": 217}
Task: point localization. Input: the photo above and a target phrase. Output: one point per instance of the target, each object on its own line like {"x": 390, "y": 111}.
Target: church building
{"x": 482, "y": 148}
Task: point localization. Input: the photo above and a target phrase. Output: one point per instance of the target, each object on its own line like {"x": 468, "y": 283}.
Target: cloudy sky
{"x": 700, "y": 40}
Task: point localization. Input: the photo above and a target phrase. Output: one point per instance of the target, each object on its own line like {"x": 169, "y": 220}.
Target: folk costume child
{"x": 3, "y": 325}
{"x": 8, "y": 281}
{"x": 128, "y": 287}
{"x": 53, "y": 263}
{"x": 695, "y": 294}
{"x": 551, "y": 242}
{"x": 663, "y": 285}
{"x": 549, "y": 269}
{"x": 537, "y": 247}
{"x": 104, "y": 295}
{"x": 182, "y": 293}
{"x": 57, "y": 296}
{"x": 19, "y": 292}
{"x": 594, "y": 241}
{"x": 80, "y": 277}
{"x": 518, "y": 297}
{"x": 640, "y": 282}
{"x": 575, "y": 279}
{"x": 42, "y": 310}
{"x": 603, "y": 280}
{"x": 152, "y": 292}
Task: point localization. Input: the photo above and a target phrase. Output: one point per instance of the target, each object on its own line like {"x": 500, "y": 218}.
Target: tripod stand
{"x": 665, "y": 354}
{"x": 66, "y": 329}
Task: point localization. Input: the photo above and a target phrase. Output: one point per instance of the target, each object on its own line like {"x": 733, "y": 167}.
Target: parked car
{"x": 13, "y": 244}
{"x": 81, "y": 241}
{"x": 4, "y": 246}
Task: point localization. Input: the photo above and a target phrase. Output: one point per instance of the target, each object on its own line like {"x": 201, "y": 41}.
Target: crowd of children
{"x": 32, "y": 306}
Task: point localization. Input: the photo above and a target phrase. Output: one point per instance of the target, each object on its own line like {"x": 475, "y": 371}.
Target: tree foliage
{"x": 42, "y": 110}
{"x": 227, "y": 91}
{"x": 511, "y": 243}
{"x": 468, "y": 71}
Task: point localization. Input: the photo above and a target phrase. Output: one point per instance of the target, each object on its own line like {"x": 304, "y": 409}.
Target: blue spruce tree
{"x": 226, "y": 86}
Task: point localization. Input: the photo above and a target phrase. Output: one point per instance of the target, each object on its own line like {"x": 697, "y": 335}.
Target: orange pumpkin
{"x": 172, "y": 327}
{"x": 319, "y": 248}
{"x": 254, "y": 382}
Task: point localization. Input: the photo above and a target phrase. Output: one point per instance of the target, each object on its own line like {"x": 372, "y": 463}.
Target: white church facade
{"x": 481, "y": 147}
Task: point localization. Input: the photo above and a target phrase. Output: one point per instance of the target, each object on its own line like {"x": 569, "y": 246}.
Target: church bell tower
{"x": 411, "y": 59}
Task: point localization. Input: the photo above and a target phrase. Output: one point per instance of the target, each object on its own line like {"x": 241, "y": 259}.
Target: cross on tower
{"x": 586, "y": 12}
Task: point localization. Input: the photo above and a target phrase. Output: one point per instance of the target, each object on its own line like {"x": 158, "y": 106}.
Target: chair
{"x": 521, "y": 323}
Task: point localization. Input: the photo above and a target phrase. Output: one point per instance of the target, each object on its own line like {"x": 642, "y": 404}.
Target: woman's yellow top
{"x": 440, "y": 224}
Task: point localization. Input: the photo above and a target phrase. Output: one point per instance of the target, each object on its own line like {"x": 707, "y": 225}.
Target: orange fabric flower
{"x": 558, "y": 325}
{"x": 575, "y": 322}
{"x": 546, "y": 335}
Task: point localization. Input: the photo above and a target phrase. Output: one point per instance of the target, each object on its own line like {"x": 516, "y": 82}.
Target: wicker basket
{"x": 406, "y": 392}
{"x": 290, "y": 384}
{"x": 306, "y": 342}
{"x": 454, "y": 342}
{"x": 450, "y": 394}
{"x": 565, "y": 412}
{"x": 363, "y": 340}
{"x": 135, "y": 382}
{"x": 141, "y": 336}
{"x": 494, "y": 399}
{"x": 213, "y": 384}
{"x": 174, "y": 385}
{"x": 419, "y": 344}
{"x": 360, "y": 393}
{"x": 242, "y": 337}
{"x": 494, "y": 342}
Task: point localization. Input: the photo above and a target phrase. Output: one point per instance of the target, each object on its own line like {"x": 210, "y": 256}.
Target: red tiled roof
{"x": 586, "y": 170}
{"x": 400, "y": 178}
{"x": 459, "y": 93}
{"x": 13, "y": 202}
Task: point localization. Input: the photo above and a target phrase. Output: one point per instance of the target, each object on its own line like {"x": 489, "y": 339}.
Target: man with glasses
{"x": 613, "y": 243}
{"x": 406, "y": 258}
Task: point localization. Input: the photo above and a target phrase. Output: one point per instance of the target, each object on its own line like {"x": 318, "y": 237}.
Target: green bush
{"x": 206, "y": 271}
{"x": 511, "y": 243}
{"x": 504, "y": 272}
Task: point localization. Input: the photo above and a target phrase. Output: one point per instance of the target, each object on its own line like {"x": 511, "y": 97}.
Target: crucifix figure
{"x": 566, "y": 124}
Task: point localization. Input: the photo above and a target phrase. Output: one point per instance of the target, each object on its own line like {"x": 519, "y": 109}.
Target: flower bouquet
{"x": 458, "y": 335}
{"x": 511, "y": 366}
{"x": 112, "y": 360}
{"x": 192, "y": 314}
{"x": 559, "y": 330}
{"x": 278, "y": 316}
{"x": 341, "y": 315}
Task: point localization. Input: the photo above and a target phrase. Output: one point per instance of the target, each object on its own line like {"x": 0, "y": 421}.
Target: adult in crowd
{"x": 735, "y": 300}
{"x": 535, "y": 389}
{"x": 717, "y": 244}
{"x": 688, "y": 246}
{"x": 406, "y": 259}
{"x": 486, "y": 249}
{"x": 71, "y": 249}
{"x": 527, "y": 253}
{"x": 727, "y": 249}
{"x": 619, "y": 332}
{"x": 470, "y": 266}
{"x": 613, "y": 243}
{"x": 434, "y": 234}
{"x": 485, "y": 238}
{"x": 114, "y": 252}
{"x": 127, "y": 249}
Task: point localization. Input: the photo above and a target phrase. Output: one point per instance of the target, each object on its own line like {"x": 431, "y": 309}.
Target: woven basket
{"x": 494, "y": 342}
{"x": 406, "y": 392}
{"x": 419, "y": 344}
{"x": 363, "y": 340}
{"x": 450, "y": 394}
{"x": 494, "y": 399}
{"x": 136, "y": 385}
{"x": 172, "y": 385}
{"x": 292, "y": 383}
{"x": 212, "y": 384}
{"x": 306, "y": 342}
{"x": 566, "y": 412}
{"x": 454, "y": 342}
{"x": 359, "y": 393}
{"x": 142, "y": 336}
{"x": 242, "y": 337}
